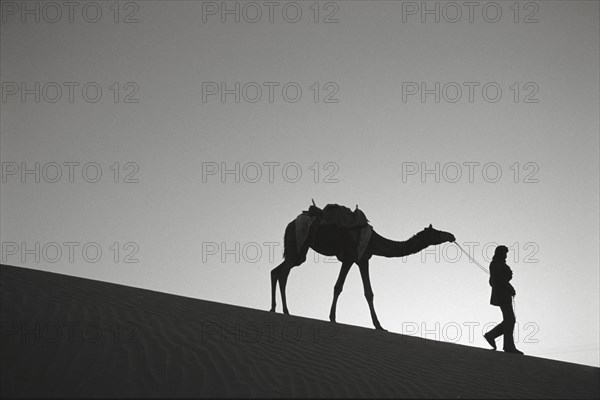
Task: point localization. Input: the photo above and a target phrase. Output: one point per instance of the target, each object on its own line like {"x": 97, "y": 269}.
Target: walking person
{"x": 502, "y": 294}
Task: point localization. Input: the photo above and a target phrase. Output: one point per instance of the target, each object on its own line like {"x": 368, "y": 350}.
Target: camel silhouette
{"x": 342, "y": 242}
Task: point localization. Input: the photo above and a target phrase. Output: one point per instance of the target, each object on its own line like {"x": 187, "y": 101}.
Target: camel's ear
{"x": 430, "y": 226}
{"x": 313, "y": 201}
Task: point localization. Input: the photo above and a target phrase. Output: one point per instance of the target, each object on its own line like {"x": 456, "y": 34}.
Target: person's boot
{"x": 514, "y": 351}
{"x": 490, "y": 340}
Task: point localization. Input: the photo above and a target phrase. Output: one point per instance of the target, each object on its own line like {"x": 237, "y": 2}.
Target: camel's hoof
{"x": 379, "y": 328}
{"x": 272, "y": 310}
{"x": 286, "y": 312}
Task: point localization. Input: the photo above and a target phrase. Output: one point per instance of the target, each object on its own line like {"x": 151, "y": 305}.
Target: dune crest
{"x": 65, "y": 336}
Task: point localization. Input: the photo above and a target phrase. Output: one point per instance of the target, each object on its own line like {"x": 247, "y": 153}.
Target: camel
{"x": 334, "y": 240}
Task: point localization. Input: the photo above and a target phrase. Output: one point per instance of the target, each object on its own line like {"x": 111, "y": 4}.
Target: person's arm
{"x": 500, "y": 275}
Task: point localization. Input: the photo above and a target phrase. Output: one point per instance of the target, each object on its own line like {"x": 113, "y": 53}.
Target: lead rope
{"x": 481, "y": 267}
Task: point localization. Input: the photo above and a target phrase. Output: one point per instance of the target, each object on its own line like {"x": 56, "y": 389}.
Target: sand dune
{"x": 64, "y": 336}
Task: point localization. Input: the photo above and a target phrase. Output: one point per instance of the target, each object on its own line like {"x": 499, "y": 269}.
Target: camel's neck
{"x": 381, "y": 246}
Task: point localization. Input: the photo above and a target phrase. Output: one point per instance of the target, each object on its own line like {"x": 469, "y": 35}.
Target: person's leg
{"x": 496, "y": 331}
{"x": 508, "y": 322}
{"x": 492, "y": 334}
{"x": 508, "y": 316}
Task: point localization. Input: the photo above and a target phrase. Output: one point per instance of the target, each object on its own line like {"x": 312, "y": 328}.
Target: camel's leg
{"x": 285, "y": 272}
{"x": 282, "y": 282}
{"x": 364, "y": 273}
{"x": 275, "y": 276}
{"x": 337, "y": 289}
{"x": 293, "y": 258}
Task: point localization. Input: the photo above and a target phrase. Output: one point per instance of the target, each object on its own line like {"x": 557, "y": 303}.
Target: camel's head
{"x": 432, "y": 236}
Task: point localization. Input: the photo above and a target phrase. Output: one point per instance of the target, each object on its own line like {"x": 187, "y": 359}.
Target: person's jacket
{"x": 500, "y": 276}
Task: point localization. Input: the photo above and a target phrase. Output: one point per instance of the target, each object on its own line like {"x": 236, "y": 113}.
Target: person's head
{"x": 500, "y": 253}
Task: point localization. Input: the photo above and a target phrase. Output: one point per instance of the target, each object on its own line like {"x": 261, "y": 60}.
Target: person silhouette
{"x": 502, "y": 293}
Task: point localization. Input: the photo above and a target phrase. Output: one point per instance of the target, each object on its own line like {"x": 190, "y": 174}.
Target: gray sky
{"x": 518, "y": 96}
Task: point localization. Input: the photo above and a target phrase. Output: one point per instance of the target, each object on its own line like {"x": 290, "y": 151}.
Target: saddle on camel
{"x": 355, "y": 222}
